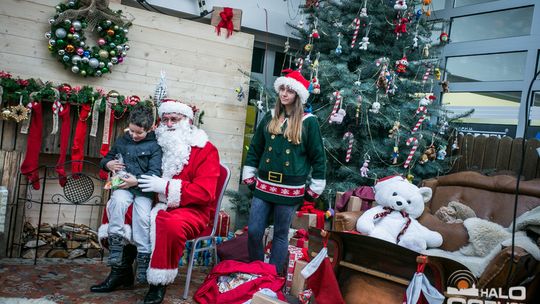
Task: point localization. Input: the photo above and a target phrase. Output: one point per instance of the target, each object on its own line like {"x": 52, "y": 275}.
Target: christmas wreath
{"x": 67, "y": 40}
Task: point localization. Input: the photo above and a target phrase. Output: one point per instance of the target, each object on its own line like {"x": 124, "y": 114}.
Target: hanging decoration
{"x": 30, "y": 165}
{"x": 337, "y": 105}
{"x": 363, "y": 10}
{"x": 365, "y": 166}
{"x": 401, "y": 65}
{"x": 226, "y": 21}
{"x": 359, "y": 100}
{"x": 356, "y": 23}
{"x": 400, "y": 27}
{"x": 350, "y": 136}
{"x": 68, "y": 43}
{"x": 339, "y": 47}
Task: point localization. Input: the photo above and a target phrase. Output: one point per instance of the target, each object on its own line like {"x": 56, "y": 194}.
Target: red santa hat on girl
{"x": 175, "y": 106}
{"x": 294, "y": 81}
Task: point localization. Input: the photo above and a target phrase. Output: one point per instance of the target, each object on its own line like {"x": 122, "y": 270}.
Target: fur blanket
{"x": 486, "y": 239}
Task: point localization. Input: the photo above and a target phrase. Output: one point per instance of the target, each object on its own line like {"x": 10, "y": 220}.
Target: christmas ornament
{"x": 414, "y": 142}
{"x": 393, "y": 133}
{"x": 400, "y": 27}
{"x": 375, "y": 107}
{"x": 240, "y": 95}
{"x": 395, "y": 155}
{"x": 445, "y": 86}
{"x": 299, "y": 64}
{"x": 425, "y": 51}
{"x": 337, "y": 104}
{"x": 350, "y": 136}
{"x": 437, "y": 73}
{"x": 426, "y": 75}
{"x": 364, "y": 44}
{"x": 160, "y": 91}
{"x": 6, "y": 114}
{"x": 18, "y": 113}
{"x": 443, "y": 37}
{"x": 356, "y": 23}
{"x": 363, "y": 10}
{"x": 429, "y": 154}
{"x": 401, "y": 65}
{"x": 358, "y": 108}
{"x": 338, "y": 116}
{"x": 441, "y": 154}
{"x": 400, "y": 5}
{"x": 338, "y": 48}
{"x": 67, "y": 34}
{"x": 316, "y": 86}
{"x": 365, "y": 167}
{"x": 287, "y": 46}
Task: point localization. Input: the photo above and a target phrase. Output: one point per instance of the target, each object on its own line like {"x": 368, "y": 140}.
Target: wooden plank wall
{"x": 481, "y": 153}
{"x": 201, "y": 68}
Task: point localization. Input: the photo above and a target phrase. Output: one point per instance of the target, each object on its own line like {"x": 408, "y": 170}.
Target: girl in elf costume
{"x": 285, "y": 150}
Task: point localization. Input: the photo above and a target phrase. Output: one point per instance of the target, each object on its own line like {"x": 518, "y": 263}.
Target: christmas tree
{"x": 374, "y": 68}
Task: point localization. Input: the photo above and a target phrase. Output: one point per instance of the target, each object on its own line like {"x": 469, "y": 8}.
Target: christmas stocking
{"x": 322, "y": 280}
{"x": 77, "y": 151}
{"x": 65, "y": 131}
{"x": 106, "y": 146}
{"x": 29, "y": 166}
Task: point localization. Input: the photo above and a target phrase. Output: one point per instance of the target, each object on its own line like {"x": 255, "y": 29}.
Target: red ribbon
{"x": 309, "y": 207}
{"x": 226, "y": 21}
{"x": 302, "y": 236}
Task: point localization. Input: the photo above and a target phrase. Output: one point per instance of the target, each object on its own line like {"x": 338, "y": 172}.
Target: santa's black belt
{"x": 280, "y": 178}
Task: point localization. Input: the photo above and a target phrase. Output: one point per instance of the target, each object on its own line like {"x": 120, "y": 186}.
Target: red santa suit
{"x": 190, "y": 202}
{"x": 183, "y": 211}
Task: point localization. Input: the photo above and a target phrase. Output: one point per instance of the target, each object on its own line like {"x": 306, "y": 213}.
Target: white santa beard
{"x": 176, "y": 146}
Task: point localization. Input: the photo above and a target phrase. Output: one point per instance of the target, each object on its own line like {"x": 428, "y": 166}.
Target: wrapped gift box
{"x": 295, "y": 254}
{"x": 298, "y": 281}
{"x": 307, "y": 220}
{"x": 236, "y": 20}
{"x": 299, "y": 242}
{"x": 224, "y": 221}
{"x": 355, "y": 203}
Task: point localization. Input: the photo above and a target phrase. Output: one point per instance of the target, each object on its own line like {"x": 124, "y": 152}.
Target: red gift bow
{"x": 302, "y": 236}
{"x": 309, "y": 207}
{"x": 226, "y": 21}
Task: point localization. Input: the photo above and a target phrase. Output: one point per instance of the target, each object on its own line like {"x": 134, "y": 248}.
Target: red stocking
{"x": 65, "y": 131}
{"x": 324, "y": 284}
{"x": 77, "y": 151}
{"x": 105, "y": 148}
{"x": 29, "y": 166}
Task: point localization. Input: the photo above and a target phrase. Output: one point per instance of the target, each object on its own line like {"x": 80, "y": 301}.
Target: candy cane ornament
{"x": 426, "y": 76}
{"x": 418, "y": 123}
{"x": 337, "y": 96}
{"x": 356, "y": 23}
{"x": 414, "y": 142}
{"x": 350, "y": 136}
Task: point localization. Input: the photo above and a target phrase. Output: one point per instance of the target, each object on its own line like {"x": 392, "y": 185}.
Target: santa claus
{"x": 186, "y": 194}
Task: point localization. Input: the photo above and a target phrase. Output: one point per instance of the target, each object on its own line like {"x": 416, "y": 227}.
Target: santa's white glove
{"x": 152, "y": 183}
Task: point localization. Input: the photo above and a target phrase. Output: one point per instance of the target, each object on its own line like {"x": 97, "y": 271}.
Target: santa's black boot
{"x": 155, "y": 294}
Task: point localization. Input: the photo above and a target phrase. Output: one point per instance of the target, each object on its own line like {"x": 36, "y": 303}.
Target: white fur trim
{"x": 199, "y": 137}
{"x": 161, "y": 276}
{"x": 293, "y": 84}
{"x": 174, "y": 194}
{"x": 103, "y": 233}
{"x": 306, "y": 116}
{"x": 312, "y": 266}
{"x": 248, "y": 172}
{"x": 317, "y": 185}
{"x": 153, "y": 215}
{"x": 175, "y": 107}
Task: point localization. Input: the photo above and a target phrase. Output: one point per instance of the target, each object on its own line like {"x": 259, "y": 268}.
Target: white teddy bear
{"x": 364, "y": 43}
{"x": 400, "y": 203}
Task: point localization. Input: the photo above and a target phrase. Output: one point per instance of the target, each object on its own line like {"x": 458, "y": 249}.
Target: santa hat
{"x": 175, "y": 106}
{"x": 294, "y": 81}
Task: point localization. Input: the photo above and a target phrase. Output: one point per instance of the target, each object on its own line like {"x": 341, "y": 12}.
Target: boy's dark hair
{"x": 142, "y": 116}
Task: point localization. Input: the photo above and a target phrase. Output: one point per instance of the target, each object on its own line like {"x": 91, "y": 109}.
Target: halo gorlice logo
{"x": 462, "y": 290}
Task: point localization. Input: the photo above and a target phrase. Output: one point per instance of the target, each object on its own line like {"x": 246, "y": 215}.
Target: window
{"x": 458, "y": 3}
{"x": 257, "y": 62}
{"x": 501, "y": 24}
{"x": 534, "y": 126}
{"x": 495, "y": 108}
{"x": 492, "y": 67}
{"x": 281, "y": 63}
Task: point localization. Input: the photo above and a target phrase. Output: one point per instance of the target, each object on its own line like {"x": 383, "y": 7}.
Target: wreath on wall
{"x": 67, "y": 40}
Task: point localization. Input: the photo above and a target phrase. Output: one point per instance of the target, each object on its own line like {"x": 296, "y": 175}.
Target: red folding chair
{"x": 223, "y": 180}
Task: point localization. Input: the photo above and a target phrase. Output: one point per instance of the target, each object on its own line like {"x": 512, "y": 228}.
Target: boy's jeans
{"x": 116, "y": 212}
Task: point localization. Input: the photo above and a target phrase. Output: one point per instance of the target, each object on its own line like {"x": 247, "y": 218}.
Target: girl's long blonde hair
{"x": 293, "y": 131}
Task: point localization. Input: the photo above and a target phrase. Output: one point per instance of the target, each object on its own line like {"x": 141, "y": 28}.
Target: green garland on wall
{"x": 20, "y": 91}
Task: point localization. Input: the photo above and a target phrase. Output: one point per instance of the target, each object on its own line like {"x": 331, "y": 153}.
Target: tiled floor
{"x": 68, "y": 281}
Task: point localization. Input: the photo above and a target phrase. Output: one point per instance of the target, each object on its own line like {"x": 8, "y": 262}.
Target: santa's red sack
{"x": 209, "y": 292}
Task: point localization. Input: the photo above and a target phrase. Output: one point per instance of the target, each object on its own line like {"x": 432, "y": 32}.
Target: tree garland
{"x": 67, "y": 41}
{"x": 15, "y": 90}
